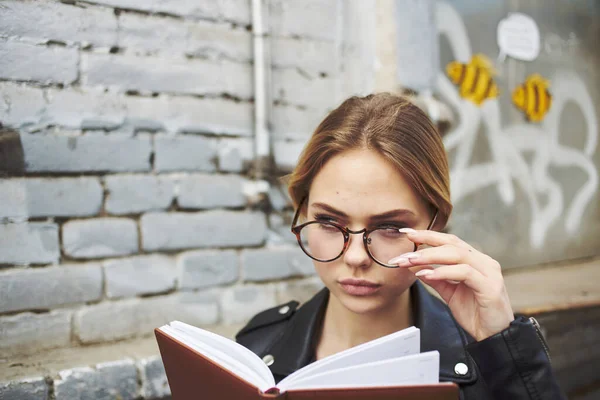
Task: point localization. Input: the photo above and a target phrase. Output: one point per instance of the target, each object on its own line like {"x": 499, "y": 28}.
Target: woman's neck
{"x": 343, "y": 329}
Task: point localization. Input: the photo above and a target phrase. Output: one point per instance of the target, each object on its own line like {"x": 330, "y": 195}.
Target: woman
{"x": 371, "y": 187}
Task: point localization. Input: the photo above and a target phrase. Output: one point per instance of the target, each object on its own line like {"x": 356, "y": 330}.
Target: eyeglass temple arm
{"x": 433, "y": 221}
{"x": 298, "y": 213}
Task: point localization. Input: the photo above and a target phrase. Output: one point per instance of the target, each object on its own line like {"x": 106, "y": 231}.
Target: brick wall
{"x": 135, "y": 119}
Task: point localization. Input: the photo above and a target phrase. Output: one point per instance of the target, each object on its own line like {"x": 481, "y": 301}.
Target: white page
{"x": 225, "y": 345}
{"x": 216, "y": 356}
{"x": 398, "y": 344}
{"x": 417, "y": 369}
{"x": 223, "y": 354}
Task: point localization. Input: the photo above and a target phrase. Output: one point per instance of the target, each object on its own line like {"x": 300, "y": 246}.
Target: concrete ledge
{"x": 554, "y": 287}
{"x": 91, "y": 365}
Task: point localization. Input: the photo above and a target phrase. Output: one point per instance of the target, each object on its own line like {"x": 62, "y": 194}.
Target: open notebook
{"x": 200, "y": 363}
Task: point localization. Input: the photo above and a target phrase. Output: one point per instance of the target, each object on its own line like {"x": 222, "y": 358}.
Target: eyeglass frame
{"x": 346, "y": 232}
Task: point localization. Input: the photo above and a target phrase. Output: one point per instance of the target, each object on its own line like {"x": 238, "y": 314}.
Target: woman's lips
{"x": 359, "y": 287}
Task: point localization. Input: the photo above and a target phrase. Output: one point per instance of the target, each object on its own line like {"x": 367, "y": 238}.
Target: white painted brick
{"x": 108, "y": 381}
{"x": 163, "y": 231}
{"x": 13, "y": 197}
{"x": 25, "y": 243}
{"x": 134, "y": 317}
{"x": 25, "y": 389}
{"x": 211, "y": 191}
{"x": 204, "y": 268}
{"x": 45, "y": 288}
{"x": 279, "y": 230}
{"x": 76, "y": 108}
{"x": 101, "y": 237}
{"x": 143, "y": 34}
{"x": 210, "y": 115}
{"x": 300, "y": 290}
{"x": 219, "y": 41}
{"x": 313, "y": 57}
{"x": 239, "y": 304}
{"x": 279, "y": 197}
{"x": 63, "y": 196}
{"x": 136, "y": 193}
{"x": 185, "y": 153}
{"x": 290, "y": 122}
{"x": 275, "y": 263}
{"x": 230, "y": 10}
{"x": 289, "y": 18}
{"x": 28, "y": 333}
{"x": 154, "y": 378}
{"x": 150, "y": 34}
{"x": 27, "y": 62}
{"x": 293, "y": 87}
{"x": 57, "y": 21}
{"x": 48, "y": 152}
{"x": 167, "y": 75}
{"x": 235, "y": 154}
{"x": 287, "y": 153}
{"x": 139, "y": 275}
{"x": 20, "y": 104}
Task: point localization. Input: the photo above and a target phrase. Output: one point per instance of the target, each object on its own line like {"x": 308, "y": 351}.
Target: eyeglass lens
{"x": 325, "y": 242}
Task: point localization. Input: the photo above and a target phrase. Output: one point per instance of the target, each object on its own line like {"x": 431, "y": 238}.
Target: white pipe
{"x": 261, "y": 133}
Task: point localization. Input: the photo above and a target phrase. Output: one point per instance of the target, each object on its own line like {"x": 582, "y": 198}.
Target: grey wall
{"x": 527, "y": 193}
{"x": 130, "y": 201}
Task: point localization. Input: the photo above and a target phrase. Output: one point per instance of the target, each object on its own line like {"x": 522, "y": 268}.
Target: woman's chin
{"x": 362, "y": 304}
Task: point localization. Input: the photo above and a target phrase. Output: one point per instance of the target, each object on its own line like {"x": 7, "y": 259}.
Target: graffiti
{"x": 509, "y": 143}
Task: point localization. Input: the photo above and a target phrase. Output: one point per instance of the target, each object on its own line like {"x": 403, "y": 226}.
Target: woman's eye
{"x": 328, "y": 228}
{"x": 390, "y": 231}
{"x": 324, "y": 218}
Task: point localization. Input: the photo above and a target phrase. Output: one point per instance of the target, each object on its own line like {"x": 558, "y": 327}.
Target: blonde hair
{"x": 393, "y": 127}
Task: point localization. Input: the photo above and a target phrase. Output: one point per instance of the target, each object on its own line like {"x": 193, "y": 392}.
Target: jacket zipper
{"x": 538, "y": 331}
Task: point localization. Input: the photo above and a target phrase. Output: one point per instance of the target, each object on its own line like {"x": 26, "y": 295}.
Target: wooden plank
{"x": 556, "y": 287}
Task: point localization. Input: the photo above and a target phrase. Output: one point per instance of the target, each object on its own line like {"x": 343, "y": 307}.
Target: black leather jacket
{"x": 513, "y": 364}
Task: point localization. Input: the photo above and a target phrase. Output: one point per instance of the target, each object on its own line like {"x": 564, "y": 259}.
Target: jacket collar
{"x": 295, "y": 348}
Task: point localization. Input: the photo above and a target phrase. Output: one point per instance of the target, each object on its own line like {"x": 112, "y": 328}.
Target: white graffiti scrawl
{"x": 509, "y": 143}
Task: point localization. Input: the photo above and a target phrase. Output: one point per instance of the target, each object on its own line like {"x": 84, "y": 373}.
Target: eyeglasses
{"x": 327, "y": 241}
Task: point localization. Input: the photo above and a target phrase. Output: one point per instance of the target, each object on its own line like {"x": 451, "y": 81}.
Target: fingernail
{"x": 400, "y": 261}
{"x": 404, "y": 259}
{"x": 407, "y": 230}
{"x": 424, "y": 272}
{"x": 411, "y": 255}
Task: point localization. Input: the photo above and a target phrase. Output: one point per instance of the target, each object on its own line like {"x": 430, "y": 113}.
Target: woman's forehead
{"x": 362, "y": 180}
{"x": 359, "y": 172}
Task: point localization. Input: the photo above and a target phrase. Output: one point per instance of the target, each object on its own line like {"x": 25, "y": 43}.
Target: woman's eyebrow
{"x": 401, "y": 212}
{"x": 329, "y": 209}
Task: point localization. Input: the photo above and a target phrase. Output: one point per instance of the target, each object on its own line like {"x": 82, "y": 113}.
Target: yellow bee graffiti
{"x": 474, "y": 79}
{"x": 533, "y": 97}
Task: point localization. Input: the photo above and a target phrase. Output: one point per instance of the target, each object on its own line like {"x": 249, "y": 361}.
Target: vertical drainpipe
{"x": 262, "y": 145}
{"x": 259, "y": 187}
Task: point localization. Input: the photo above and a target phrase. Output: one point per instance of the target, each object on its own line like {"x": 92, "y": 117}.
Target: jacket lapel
{"x": 296, "y": 346}
{"x": 439, "y": 331}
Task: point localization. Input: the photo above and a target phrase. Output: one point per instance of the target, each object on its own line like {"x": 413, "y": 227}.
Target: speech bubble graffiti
{"x": 518, "y": 37}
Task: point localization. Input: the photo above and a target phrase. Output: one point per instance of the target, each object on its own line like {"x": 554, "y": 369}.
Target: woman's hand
{"x": 469, "y": 281}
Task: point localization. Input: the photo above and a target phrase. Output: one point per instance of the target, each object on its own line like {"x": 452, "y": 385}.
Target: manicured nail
{"x": 424, "y": 272}
{"x": 400, "y": 261}
{"x": 403, "y": 259}
{"x": 407, "y": 230}
{"x": 411, "y": 255}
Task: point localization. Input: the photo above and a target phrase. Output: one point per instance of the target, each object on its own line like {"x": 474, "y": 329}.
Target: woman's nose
{"x": 356, "y": 255}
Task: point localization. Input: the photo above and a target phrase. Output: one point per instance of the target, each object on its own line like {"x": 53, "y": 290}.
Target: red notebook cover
{"x": 192, "y": 376}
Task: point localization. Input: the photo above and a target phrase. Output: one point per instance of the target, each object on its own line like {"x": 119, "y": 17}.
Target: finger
{"x": 445, "y": 288}
{"x": 460, "y": 273}
{"x": 445, "y": 255}
{"x": 433, "y": 238}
